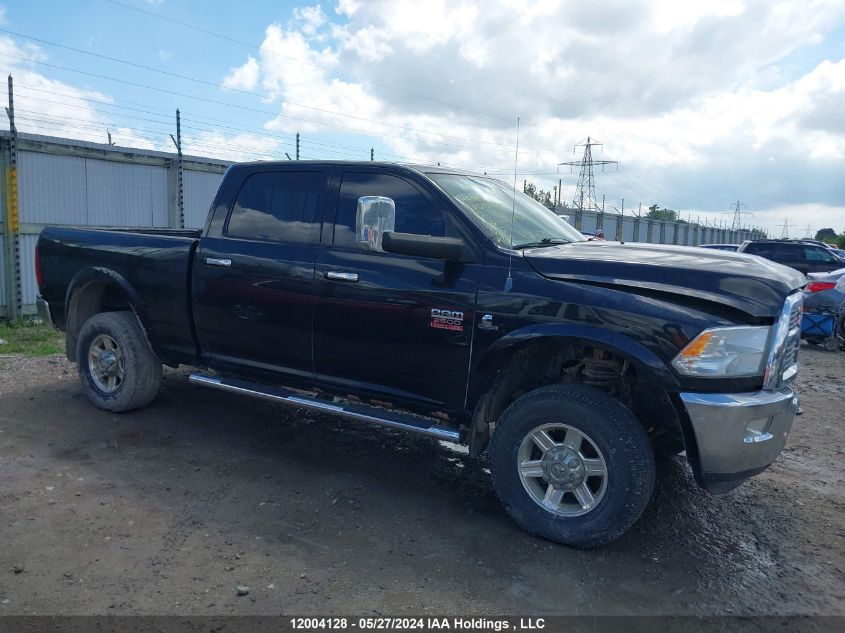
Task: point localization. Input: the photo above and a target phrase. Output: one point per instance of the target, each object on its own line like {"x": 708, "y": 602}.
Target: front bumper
{"x": 738, "y": 434}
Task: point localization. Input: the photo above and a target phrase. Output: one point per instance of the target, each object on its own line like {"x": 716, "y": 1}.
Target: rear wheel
{"x": 572, "y": 464}
{"x": 117, "y": 368}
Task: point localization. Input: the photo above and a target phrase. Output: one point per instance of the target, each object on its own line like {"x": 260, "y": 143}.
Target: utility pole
{"x": 372, "y": 154}
{"x": 180, "y": 182}
{"x": 14, "y": 303}
{"x": 297, "y": 146}
{"x": 108, "y": 134}
{"x": 585, "y": 192}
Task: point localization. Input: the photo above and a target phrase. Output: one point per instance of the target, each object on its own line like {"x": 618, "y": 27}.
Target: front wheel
{"x": 571, "y": 464}
{"x": 117, "y": 368}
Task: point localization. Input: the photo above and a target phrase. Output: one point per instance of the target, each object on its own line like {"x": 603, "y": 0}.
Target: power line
{"x": 353, "y": 151}
{"x": 304, "y": 61}
{"x": 242, "y": 107}
{"x": 236, "y": 90}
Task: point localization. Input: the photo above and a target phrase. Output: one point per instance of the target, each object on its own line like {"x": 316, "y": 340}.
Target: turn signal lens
{"x": 698, "y": 344}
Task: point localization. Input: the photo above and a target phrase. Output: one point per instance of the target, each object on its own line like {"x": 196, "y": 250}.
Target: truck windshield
{"x": 490, "y": 202}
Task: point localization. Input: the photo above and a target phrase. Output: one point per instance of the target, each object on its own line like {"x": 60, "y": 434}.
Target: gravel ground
{"x": 170, "y": 509}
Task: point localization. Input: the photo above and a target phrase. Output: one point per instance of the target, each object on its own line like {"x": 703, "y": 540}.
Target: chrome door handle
{"x": 336, "y": 276}
{"x": 217, "y": 261}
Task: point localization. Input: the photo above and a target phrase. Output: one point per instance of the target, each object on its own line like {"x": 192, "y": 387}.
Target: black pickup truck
{"x": 443, "y": 303}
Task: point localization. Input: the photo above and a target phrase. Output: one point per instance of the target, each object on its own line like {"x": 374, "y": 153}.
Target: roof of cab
{"x": 420, "y": 169}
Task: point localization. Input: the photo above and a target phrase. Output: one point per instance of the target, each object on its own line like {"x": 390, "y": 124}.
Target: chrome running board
{"x": 356, "y": 411}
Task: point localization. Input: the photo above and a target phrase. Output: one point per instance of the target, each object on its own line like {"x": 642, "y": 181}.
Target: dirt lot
{"x": 169, "y": 509}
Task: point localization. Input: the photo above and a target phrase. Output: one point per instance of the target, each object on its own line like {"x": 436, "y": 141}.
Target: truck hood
{"x": 749, "y": 283}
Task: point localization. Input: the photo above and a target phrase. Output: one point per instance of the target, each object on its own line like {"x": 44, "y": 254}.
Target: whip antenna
{"x": 509, "y": 280}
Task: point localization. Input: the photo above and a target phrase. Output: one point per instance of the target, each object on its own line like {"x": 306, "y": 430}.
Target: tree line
{"x": 830, "y": 236}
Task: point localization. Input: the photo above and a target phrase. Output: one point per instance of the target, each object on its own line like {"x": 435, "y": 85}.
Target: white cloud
{"x": 702, "y": 102}
{"x": 243, "y": 77}
{"x": 311, "y": 18}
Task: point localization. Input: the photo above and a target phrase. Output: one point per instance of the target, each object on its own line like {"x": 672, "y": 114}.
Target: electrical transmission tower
{"x": 785, "y": 230}
{"x": 585, "y": 192}
{"x": 736, "y": 210}
{"x": 808, "y": 232}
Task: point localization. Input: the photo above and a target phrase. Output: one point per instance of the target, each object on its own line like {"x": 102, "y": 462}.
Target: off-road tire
{"x": 614, "y": 430}
{"x": 142, "y": 369}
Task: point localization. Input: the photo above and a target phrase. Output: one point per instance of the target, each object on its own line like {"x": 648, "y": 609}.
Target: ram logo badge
{"x": 443, "y": 319}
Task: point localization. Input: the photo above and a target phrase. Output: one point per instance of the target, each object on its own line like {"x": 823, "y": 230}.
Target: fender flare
{"x": 640, "y": 356}
{"x": 95, "y": 274}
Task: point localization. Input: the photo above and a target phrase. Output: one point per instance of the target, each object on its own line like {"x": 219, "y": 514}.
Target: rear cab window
{"x": 278, "y": 206}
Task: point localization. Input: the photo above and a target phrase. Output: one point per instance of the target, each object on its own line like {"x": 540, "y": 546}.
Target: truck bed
{"x": 153, "y": 265}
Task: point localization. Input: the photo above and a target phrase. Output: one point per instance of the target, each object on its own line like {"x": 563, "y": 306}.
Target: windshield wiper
{"x": 546, "y": 241}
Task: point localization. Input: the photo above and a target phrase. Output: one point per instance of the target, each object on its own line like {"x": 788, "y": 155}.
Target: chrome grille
{"x": 792, "y": 346}
{"x": 782, "y": 363}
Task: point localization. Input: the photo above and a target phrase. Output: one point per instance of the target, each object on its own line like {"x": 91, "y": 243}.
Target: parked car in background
{"x": 839, "y": 253}
{"x": 721, "y": 247}
{"x": 802, "y": 256}
{"x": 824, "y": 290}
{"x": 826, "y": 294}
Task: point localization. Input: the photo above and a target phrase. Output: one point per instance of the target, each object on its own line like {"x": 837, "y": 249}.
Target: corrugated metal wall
{"x": 200, "y": 188}
{"x": 52, "y": 189}
{"x": 29, "y": 288}
{"x": 86, "y": 184}
{"x": 123, "y": 194}
{"x": 2, "y": 271}
{"x": 655, "y": 231}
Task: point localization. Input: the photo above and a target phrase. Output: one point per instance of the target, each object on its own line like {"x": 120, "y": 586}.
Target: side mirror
{"x": 448, "y": 248}
{"x": 375, "y": 216}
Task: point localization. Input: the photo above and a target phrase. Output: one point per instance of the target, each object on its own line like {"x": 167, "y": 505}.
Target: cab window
{"x": 414, "y": 213}
{"x": 277, "y": 206}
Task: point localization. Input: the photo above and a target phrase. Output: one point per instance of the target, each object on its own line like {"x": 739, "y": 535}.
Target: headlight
{"x": 729, "y": 351}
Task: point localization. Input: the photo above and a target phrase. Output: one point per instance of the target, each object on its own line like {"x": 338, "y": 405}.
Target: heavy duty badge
{"x": 447, "y": 319}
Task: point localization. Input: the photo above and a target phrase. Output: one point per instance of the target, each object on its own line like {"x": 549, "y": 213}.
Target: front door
{"x": 396, "y": 326}
{"x": 818, "y": 259}
{"x": 254, "y": 283}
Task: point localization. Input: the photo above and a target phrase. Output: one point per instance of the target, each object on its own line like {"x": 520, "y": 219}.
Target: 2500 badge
{"x": 447, "y": 319}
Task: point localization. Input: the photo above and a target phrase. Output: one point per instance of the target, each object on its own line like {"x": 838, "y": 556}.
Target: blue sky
{"x": 702, "y": 103}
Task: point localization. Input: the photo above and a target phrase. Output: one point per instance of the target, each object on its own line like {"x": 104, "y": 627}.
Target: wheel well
{"x": 87, "y": 300}
{"x": 554, "y": 361}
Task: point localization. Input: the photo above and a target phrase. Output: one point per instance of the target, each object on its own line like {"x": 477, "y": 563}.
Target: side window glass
{"x": 817, "y": 254}
{"x": 760, "y": 248}
{"x": 414, "y": 213}
{"x": 277, "y": 206}
{"x": 787, "y": 253}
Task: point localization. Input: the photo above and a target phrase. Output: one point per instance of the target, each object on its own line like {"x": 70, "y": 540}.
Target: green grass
{"x": 30, "y": 337}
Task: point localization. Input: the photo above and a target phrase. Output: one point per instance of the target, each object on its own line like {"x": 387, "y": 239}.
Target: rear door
{"x": 396, "y": 326}
{"x": 254, "y": 274}
{"x": 790, "y": 255}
